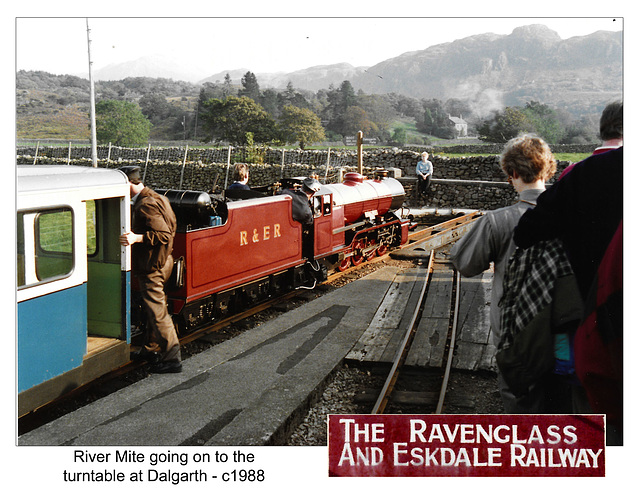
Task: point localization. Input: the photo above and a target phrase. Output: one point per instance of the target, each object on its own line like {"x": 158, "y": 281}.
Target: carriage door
{"x": 106, "y": 290}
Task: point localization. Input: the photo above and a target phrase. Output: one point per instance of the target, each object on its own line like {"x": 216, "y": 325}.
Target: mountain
{"x": 149, "y": 66}
{"x": 493, "y": 71}
{"x": 579, "y": 74}
{"x": 489, "y": 71}
{"x": 314, "y": 78}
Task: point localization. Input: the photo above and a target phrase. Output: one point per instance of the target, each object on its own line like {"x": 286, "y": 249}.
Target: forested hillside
{"x": 57, "y": 107}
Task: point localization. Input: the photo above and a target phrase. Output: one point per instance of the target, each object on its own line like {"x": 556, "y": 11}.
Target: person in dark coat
{"x": 153, "y": 228}
{"x": 240, "y": 177}
{"x": 584, "y": 209}
{"x": 301, "y": 206}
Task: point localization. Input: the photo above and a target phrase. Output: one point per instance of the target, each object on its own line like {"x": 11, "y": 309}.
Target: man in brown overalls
{"x": 153, "y": 226}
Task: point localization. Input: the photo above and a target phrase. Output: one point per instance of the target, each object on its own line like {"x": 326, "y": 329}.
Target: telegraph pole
{"x": 92, "y": 104}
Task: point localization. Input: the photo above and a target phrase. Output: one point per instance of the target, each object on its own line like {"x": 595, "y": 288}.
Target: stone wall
{"x": 475, "y": 182}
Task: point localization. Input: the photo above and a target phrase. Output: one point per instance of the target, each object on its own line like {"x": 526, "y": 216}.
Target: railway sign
{"x": 352, "y": 141}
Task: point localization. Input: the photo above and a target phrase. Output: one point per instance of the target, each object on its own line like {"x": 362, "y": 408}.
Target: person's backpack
{"x": 540, "y": 308}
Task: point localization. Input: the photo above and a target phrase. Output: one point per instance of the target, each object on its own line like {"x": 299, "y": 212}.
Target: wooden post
{"x": 184, "y": 162}
{"x": 326, "y": 170}
{"x": 35, "y": 158}
{"x": 109, "y": 154}
{"x": 69, "y": 154}
{"x": 144, "y": 175}
{"x": 282, "y": 165}
{"x": 226, "y": 178}
{"x": 359, "y": 142}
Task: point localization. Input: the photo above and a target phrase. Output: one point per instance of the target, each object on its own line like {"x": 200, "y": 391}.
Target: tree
{"x": 121, "y": 123}
{"x": 270, "y": 101}
{"x": 339, "y": 100}
{"x": 347, "y": 95}
{"x": 227, "y": 86}
{"x": 300, "y": 125}
{"x": 400, "y": 135}
{"x": 582, "y": 131}
{"x": 155, "y": 107}
{"x": 505, "y": 125}
{"x": 356, "y": 119}
{"x": 232, "y": 118}
{"x": 380, "y": 112}
{"x": 250, "y": 87}
{"x": 406, "y": 106}
{"x": 546, "y": 121}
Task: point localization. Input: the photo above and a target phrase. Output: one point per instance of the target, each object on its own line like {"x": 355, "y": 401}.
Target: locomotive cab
{"x": 326, "y": 217}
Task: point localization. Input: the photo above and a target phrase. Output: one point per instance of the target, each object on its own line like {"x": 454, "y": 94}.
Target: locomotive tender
{"x": 76, "y": 302}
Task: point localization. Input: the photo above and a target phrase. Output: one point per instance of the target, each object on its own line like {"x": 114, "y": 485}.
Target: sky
{"x": 210, "y": 45}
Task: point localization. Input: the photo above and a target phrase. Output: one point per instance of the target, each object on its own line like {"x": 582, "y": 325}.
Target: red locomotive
{"x": 233, "y": 254}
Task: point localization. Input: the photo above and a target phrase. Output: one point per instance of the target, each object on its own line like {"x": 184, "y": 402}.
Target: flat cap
{"x": 133, "y": 173}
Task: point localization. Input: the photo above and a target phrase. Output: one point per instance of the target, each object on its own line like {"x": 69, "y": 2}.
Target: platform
{"x": 249, "y": 389}
{"x": 474, "y": 350}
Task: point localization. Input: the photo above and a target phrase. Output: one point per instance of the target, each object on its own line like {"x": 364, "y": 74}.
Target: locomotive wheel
{"x": 357, "y": 259}
{"x": 344, "y": 264}
{"x": 382, "y": 250}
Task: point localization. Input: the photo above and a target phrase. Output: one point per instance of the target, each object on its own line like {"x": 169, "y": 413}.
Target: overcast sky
{"x": 265, "y": 44}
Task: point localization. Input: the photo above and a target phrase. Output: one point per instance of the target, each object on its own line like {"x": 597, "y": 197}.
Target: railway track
{"x": 386, "y": 393}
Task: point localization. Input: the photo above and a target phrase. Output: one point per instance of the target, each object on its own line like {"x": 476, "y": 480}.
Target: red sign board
{"x": 466, "y": 445}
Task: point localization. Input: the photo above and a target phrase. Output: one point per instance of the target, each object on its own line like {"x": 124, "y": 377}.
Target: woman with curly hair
{"x": 528, "y": 163}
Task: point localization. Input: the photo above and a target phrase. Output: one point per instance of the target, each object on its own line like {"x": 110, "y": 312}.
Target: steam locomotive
{"x": 233, "y": 254}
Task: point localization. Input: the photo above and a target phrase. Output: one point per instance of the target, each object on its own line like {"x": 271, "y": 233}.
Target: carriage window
{"x": 53, "y": 243}
{"x": 20, "y": 250}
{"x": 44, "y": 245}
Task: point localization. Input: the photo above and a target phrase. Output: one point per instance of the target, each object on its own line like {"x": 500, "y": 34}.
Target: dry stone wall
{"x": 475, "y": 182}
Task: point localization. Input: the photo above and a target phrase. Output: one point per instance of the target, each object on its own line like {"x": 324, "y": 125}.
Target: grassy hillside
{"x": 43, "y": 115}
{"x": 69, "y": 122}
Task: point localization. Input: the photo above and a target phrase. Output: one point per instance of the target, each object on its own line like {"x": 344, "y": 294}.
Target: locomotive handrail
{"x": 347, "y": 227}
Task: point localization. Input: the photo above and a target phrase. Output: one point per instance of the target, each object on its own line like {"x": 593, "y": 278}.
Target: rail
{"x": 403, "y": 350}
{"x": 405, "y": 346}
{"x": 452, "y": 342}
{"x": 425, "y": 240}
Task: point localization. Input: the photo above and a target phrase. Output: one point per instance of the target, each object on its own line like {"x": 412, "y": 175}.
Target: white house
{"x": 460, "y": 125}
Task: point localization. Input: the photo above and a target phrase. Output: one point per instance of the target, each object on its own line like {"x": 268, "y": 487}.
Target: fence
{"x": 467, "y": 182}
